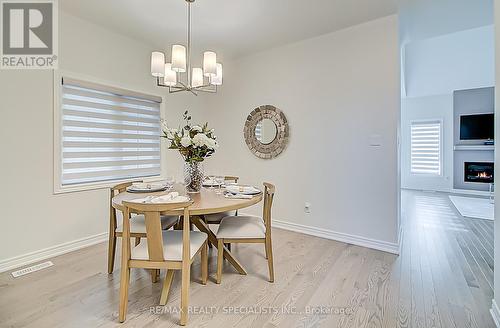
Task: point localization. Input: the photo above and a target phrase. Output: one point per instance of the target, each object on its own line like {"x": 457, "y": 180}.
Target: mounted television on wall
{"x": 477, "y": 127}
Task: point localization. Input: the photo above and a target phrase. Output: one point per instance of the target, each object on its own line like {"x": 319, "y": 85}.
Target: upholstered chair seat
{"x": 138, "y": 225}
{"x": 241, "y": 227}
{"x": 172, "y": 245}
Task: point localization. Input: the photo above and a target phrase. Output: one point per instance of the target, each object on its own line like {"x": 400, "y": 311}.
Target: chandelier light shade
{"x": 179, "y": 75}
{"x": 157, "y": 63}
{"x": 170, "y": 77}
{"x": 217, "y": 79}
{"x": 197, "y": 77}
{"x": 178, "y": 58}
{"x": 209, "y": 63}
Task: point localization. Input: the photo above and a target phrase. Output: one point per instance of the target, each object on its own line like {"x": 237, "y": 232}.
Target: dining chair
{"x": 137, "y": 225}
{"x": 248, "y": 229}
{"x": 170, "y": 250}
{"x": 215, "y": 218}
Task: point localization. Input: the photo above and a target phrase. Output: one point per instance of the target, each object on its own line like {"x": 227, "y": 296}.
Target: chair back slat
{"x": 119, "y": 188}
{"x": 231, "y": 178}
{"x": 269, "y": 190}
{"x": 154, "y": 235}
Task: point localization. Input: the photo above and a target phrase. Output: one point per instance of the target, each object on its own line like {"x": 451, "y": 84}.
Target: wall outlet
{"x": 307, "y": 207}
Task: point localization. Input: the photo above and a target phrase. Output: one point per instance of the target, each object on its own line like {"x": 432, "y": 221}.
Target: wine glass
{"x": 211, "y": 180}
{"x": 219, "y": 180}
{"x": 169, "y": 182}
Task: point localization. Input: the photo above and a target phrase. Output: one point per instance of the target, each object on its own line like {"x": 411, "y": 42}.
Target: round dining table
{"x": 207, "y": 201}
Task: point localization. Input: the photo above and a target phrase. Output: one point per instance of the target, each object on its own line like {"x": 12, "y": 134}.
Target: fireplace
{"x": 481, "y": 172}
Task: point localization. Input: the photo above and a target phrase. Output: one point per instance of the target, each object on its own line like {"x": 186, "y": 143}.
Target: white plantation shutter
{"x": 426, "y": 147}
{"x": 107, "y": 133}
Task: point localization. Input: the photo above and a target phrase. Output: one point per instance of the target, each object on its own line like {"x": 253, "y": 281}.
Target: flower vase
{"x": 193, "y": 176}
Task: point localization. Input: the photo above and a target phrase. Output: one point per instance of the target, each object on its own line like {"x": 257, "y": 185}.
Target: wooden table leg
{"x": 200, "y": 224}
{"x": 166, "y": 286}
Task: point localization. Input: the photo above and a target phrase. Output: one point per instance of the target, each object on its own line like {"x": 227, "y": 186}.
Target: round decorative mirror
{"x": 266, "y": 131}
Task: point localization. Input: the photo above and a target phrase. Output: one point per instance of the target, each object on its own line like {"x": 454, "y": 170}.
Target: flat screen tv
{"x": 477, "y": 127}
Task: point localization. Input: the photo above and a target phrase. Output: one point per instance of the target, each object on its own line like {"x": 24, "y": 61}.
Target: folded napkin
{"x": 172, "y": 197}
{"x": 238, "y": 196}
{"x": 210, "y": 182}
{"x": 236, "y": 189}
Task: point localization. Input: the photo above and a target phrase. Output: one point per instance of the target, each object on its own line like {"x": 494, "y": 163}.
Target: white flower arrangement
{"x": 195, "y": 143}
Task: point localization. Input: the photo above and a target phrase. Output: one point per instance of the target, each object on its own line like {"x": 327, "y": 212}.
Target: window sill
{"x": 428, "y": 175}
{"x": 58, "y": 189}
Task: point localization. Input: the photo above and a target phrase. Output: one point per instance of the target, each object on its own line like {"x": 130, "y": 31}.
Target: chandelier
{"x": 171, "y": 74}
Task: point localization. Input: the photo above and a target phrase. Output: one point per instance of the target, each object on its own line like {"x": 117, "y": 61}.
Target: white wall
{"x": 440, "y": 65}
{"x": 33, "y": 217}
{"x": 336, "y": 91}
{"x": 434, "y": 68}
{"x": 427, "y": 108}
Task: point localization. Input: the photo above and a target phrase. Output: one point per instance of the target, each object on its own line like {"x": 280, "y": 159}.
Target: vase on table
{"x": 195, "y": 143}
{"x": 193, "y": 176}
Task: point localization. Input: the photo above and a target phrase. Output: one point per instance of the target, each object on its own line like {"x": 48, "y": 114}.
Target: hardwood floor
{"x": 443, "y": 278}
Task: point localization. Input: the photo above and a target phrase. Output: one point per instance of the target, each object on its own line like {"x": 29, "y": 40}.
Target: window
{"x": 426, "y": 147}
{"x": 106, "y": 134}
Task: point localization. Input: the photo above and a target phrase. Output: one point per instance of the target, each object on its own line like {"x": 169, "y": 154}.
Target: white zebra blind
{"x": 107, "y": 133}
{"x": 426, "y": 147}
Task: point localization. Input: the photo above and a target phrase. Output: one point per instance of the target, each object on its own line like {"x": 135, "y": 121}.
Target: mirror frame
{"x": 276, "y": 147}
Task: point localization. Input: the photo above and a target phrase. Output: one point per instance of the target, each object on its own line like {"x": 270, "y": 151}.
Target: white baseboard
{"x": 448, "y": 190}
{"x": 384, "y": 246}
{"x": 495, "y": 313}
{"x": 25, "y": 259}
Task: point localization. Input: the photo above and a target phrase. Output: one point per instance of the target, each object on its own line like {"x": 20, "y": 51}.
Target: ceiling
{"x": 233, "y": 28}
{"x": 424, "y": 19}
